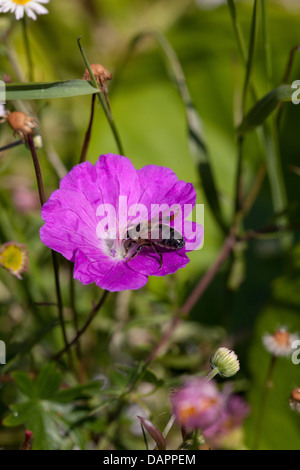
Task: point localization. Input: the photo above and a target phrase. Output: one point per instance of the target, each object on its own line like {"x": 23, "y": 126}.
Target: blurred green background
{"x": 151, "y": 120}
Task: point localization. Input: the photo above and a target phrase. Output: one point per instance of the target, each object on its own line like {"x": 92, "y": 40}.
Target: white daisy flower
{"x": 32, "y": 8}
{"x": 280, "y": 343}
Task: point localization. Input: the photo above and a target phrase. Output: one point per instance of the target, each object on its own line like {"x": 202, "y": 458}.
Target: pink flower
{"x": 198, "y": 404}
{"x": 79, "y": 223}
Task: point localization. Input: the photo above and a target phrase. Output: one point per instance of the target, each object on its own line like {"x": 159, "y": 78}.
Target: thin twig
{"x": 92, "y": 315}
{"x": 73, "y": 307}
{"x": 88, "y": 132}
{"x": 102, "y": 101}
{"x": 195, "y": 295}
{"x": 11, "y": 145}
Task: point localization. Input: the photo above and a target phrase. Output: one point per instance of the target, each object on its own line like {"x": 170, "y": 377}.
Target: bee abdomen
{"x": 172, "y": 243}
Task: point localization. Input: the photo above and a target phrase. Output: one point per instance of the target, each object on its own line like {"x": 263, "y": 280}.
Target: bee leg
{"x": 159, "y": 254}
{"x": 137, "y": 251}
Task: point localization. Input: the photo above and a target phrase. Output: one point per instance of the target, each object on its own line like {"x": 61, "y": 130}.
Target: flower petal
{"x": 148, "y": 262}
{"x": 160, "y": 185}
{"x": 70, "y": 223}
{"x": 112, "y": 275}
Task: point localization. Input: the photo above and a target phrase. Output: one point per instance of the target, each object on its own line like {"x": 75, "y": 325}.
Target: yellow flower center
{"x": 12, "y": 258}
{"x": 21, "y": 2}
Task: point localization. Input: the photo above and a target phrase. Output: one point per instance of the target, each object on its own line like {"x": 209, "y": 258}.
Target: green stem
{"x": 237, "y": 30}
{"x": 212, "y": 374}
{"x": 267, "y": 386}
{"x": 28, "y": 50}
{"x": 43, "y": 199}
{"x": 267, "y": 47}
{"x": 238, "y": 178}
{"x": 268, "y": 135}
{"x": 239, "y": 38}
{"x": 60, "y": 303}
{"x": 102, "y": 101}
{"x": 251, "y": 54}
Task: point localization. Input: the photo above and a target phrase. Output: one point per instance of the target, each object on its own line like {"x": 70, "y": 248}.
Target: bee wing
{"x": 153, "y": 228}
{"x": 164, "y": 217}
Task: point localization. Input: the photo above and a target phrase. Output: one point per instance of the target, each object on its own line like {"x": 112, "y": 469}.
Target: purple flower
{"x": 87, "y": 220}
{"x": 198, "y": 404}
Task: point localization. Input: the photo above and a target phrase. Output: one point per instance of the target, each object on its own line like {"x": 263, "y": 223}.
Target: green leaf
{"x": 18, "y": 350}
{"x": 49, "y": 90}
{"x": 25, "y": 384}
{"x": 45, "y": 411}
{"x": 20, "y": 414}
{"x": 48, "y": 381}
{"x": 40, "y": 420}
{"x": 74, "y": 393}
{"x": 263, "y": 108}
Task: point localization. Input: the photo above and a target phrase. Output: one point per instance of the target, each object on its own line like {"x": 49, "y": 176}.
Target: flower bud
{"x": 226, "y": 361}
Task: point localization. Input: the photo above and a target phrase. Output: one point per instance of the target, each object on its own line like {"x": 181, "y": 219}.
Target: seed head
{"x": 21, "y": 124}
{"x": 101, "y": 74}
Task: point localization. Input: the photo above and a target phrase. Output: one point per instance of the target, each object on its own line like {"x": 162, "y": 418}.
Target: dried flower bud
{"x": 101, "y": 74}
{"x": 14, "y": 258}
{"x": 226, "y": 361}
{"x": 22, "y": 124}
{"x": 295, "y": 400}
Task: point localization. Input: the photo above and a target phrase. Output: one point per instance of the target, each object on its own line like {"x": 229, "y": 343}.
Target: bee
{"x": 154, "y": 233}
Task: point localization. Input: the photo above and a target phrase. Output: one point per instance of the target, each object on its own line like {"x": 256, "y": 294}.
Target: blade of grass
{"x": 276, "y": 180}
{"x": 197, "y": 143}
{"x": 48, "y": 90}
